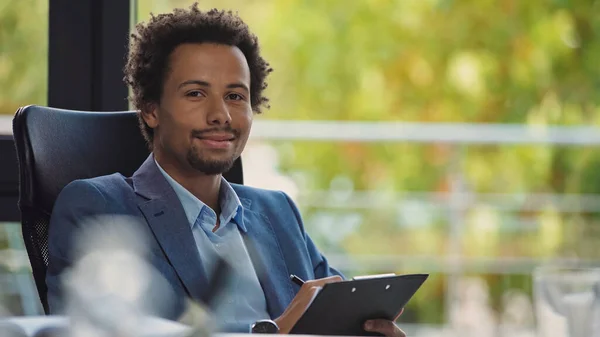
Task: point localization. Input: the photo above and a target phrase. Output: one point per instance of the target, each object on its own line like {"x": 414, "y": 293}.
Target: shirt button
{"x": 230, "y": 301}
{"x": 218, "y": 245}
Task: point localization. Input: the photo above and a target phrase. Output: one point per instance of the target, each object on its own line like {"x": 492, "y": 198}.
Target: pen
{"x": 296, "y": 280}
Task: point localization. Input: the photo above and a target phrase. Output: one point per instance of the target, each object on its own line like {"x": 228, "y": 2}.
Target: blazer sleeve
{"x": 319, "y": 263}
{"x": 76, "y": 202}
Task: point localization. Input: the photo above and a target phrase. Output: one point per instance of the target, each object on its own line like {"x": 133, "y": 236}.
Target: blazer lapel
{"x": 165, "y": 215}
{"x": 269, "y": 263}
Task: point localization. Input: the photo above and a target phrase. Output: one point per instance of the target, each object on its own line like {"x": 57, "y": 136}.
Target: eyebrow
{"x": 206, "y": 84}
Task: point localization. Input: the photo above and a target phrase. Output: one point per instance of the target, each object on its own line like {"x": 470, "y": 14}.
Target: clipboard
{"x": 342, "y": 308}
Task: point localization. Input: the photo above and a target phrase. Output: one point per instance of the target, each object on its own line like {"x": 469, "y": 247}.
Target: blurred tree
{"x": 505, "y": 61}
{"x": 23, "y": 53}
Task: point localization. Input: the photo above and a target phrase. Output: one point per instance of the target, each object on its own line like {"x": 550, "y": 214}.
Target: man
{"x": 197, "y": 78}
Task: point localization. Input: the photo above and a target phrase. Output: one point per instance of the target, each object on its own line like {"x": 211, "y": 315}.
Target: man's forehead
{"x": 210, "y": 58}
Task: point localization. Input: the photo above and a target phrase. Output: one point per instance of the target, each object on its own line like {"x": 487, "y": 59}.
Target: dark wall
{"x": 9, "y": 180}
{"x": 86, "y": 53}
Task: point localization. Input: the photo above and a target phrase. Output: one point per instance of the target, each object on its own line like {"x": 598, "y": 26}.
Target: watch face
{"x": 265, "y": 326}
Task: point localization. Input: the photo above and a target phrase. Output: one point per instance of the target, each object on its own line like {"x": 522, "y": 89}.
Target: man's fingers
{"x": 312, "y": 291}
{"x": 322, "y": 281}
{"x": 385, "y": 327}
{"x": 382, "y": 326}
{"x": 298, "y": 305}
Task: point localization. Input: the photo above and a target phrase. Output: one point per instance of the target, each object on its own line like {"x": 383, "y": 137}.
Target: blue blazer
{"x": 276, "y": 239}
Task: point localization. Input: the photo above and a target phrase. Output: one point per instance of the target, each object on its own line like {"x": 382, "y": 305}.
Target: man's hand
{"x": 385, "y": 327}
{"x": 300, "y": 303}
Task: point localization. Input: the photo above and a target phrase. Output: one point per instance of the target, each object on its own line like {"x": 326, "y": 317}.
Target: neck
{"x": 202, "y": 186}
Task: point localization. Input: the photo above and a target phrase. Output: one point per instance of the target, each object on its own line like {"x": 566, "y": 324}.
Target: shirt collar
{"x": 231, "y": 207}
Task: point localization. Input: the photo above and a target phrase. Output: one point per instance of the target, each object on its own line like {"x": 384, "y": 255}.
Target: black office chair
{"x": 55, "y": 147}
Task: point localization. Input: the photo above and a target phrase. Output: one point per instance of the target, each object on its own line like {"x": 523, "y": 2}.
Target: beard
{"x": 207, "y": 166}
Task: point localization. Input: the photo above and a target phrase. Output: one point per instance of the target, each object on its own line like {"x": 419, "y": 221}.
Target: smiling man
{"x": 197, "y": 80}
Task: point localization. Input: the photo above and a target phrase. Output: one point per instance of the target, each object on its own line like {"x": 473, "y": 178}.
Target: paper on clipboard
{"x": 368, "y": 277}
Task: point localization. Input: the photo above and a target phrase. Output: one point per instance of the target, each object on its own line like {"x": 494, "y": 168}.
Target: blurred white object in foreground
{"x": 567, "y": 301}
{"x": 149, "y": 326}
{"x": 112, "y": 289}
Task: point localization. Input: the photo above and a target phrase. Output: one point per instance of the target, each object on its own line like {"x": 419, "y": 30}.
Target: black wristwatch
{"x": 265, "y": 326}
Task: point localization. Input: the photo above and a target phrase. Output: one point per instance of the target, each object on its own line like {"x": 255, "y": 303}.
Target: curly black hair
{"x": 151, "y": 45}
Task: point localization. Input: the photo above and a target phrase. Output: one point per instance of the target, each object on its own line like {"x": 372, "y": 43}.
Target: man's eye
{"x": 194, "y": 93}
{"x": 235, "y": 97}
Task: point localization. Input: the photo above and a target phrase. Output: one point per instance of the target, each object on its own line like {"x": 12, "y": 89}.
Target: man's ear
{"x": 150, "y": 115}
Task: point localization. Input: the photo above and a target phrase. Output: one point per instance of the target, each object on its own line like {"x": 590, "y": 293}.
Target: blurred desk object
{"x": 157, "y": 327}
{"x": 149, "y": 327}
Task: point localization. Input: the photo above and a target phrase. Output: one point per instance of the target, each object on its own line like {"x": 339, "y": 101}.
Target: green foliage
{"x": 23, "y": 53}
{"x": 526, "y": 62}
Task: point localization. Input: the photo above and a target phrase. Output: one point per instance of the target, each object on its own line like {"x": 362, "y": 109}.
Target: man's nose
{"x": 218, "y": 113}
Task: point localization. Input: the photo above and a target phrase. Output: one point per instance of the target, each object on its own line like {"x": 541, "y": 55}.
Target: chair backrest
{"x": 55, "y": 147}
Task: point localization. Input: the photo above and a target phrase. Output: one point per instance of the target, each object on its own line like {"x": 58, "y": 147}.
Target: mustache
{"x": 196, "y": 133}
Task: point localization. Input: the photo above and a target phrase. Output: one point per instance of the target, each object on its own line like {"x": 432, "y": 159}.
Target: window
{"x": 24, "y": 53}
{"x": 432, "y": 136}
{"x": 23, "y": 79}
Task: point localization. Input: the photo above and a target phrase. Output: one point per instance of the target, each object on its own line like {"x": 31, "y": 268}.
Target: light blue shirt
{"x": 244, "y": 300}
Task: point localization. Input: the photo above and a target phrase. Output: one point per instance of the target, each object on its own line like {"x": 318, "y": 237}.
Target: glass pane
{"x": 479, "y": 216}
{"x": 423, "y": 60}
{"x": 23, "y": 79}
{"x": 18, "y": 294}
{"x": 24, "y": 54}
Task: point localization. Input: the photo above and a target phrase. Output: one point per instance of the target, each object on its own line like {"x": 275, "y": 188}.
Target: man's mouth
{"x": 218, "y": 137}
{"x": 217, "y": 140}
